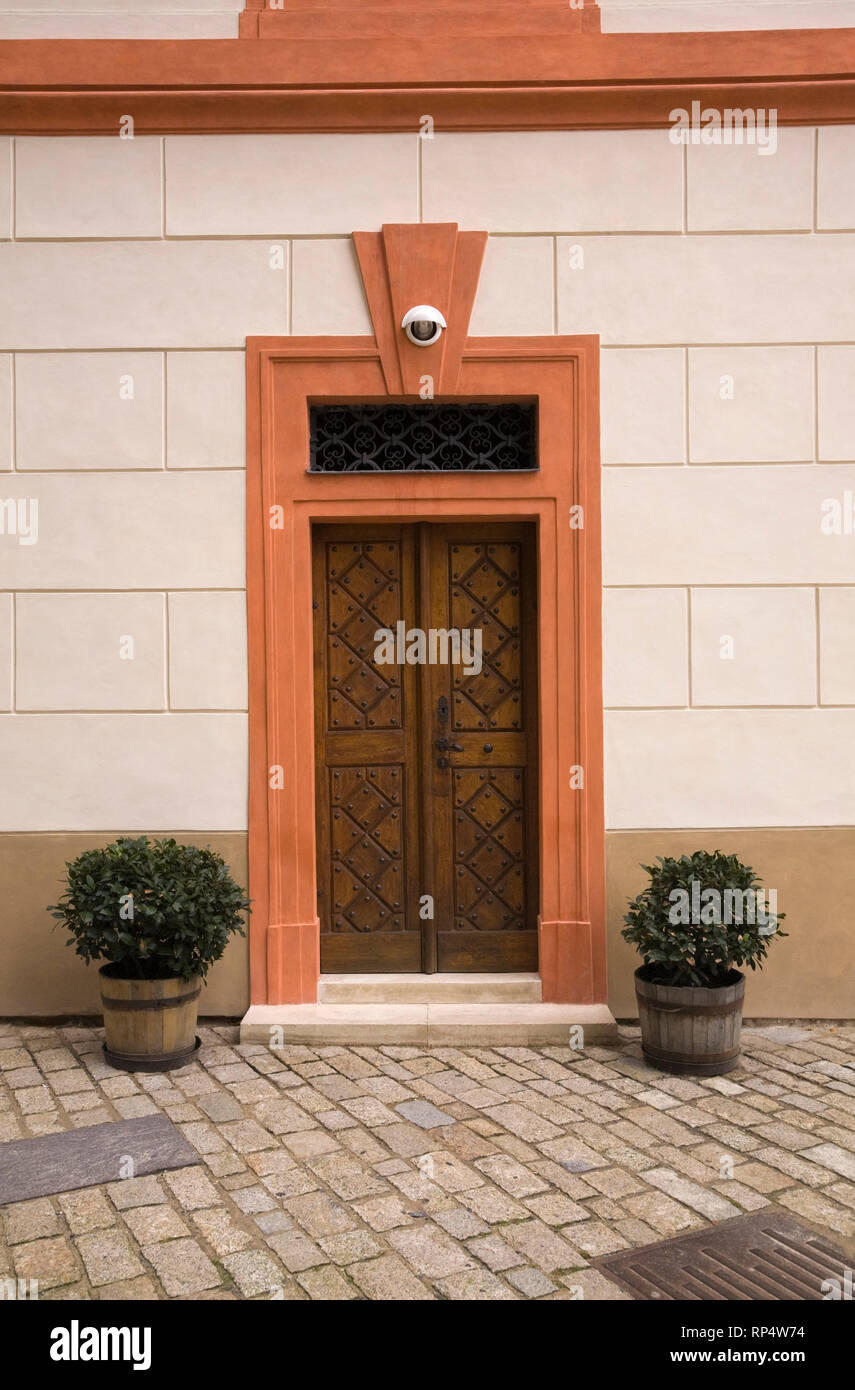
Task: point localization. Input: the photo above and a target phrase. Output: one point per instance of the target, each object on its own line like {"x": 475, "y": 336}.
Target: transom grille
{"x": 436, "y": 438}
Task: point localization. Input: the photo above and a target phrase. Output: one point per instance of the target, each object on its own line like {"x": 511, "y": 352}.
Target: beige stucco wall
{"x": 119, "y": 19}
{"x": 721, "y": 282}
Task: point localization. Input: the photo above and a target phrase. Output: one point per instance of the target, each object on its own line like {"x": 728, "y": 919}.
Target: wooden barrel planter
{"x": 690, "y": 1030}
{"x": 150, "y": 1025}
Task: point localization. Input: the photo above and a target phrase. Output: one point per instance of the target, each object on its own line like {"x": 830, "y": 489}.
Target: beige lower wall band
{"x": 811, "y": 974}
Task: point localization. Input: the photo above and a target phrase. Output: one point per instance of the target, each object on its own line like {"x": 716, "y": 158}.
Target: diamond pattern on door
{"x": 364, "y": 594}
{"x": 485, "y": 590}
{"x": 489, "y": 850}
{"x": 367, "y": 848}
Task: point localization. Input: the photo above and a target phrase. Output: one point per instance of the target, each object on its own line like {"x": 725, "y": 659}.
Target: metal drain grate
{"x": 762, "y": 1256}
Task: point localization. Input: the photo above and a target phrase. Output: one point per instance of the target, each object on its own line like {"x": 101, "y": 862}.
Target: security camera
{"x": 423, "y": 325}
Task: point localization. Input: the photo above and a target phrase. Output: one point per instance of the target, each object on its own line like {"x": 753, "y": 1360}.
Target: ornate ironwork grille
{"x": 436, "y": 438}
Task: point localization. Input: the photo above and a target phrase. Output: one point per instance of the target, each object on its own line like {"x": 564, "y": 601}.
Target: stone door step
{"x": 511, "y": 988}
{"x": 428, "y": 1024}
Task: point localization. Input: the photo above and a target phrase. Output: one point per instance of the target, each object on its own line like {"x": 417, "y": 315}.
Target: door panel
{"x": 366, "y": 753}
{"x": 426, "y": 773}
{"x": 483, "y": 807}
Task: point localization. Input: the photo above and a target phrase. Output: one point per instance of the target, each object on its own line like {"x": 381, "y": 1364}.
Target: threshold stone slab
{"x": 90, "y": 1156}
{"x": 426, "y": 1024}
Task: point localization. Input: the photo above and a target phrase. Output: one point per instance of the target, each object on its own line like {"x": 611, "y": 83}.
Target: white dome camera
{"x": 423, "y": 325}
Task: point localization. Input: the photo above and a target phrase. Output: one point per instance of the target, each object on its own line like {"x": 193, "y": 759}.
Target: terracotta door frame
{"x": 284, "y": 377}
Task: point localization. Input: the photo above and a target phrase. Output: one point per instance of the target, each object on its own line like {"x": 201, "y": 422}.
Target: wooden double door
{"x": 426, "y": 746}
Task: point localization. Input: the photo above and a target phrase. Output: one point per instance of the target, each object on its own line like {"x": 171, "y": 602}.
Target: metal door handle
{"x": 445, "y": 746}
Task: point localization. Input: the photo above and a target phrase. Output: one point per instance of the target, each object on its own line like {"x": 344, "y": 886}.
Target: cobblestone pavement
{"x": 402, "y": 1173}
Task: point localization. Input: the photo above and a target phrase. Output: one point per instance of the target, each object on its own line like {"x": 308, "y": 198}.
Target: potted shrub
{"x": 700, "y": 917}
{"x": 159, "y": 913}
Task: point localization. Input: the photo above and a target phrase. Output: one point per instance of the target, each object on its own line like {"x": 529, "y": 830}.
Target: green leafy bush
{"x": 699, "y": 917}
{"x": 154, "y": 909}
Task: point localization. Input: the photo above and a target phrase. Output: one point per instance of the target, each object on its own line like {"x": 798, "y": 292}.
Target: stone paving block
{"x": 495, "y": 1252}
{"x": 328, "y": 1285}
{"x": 307, "y": 1143}
{"x": 140, "y": 1290}
{"x": 354, "y": 1245}
{"x": 429, "y": 1251}
{"x": 220, "y": 1106}
{"x": 745, "y": 1197}
{"x": 320, "y": 1214}
{"x": 52, "y": 1262}
{"x": 296, "y": 1251}
{"x": 542, "y": 1246}
{"x": 182, "y": 1267}
{"x": 522, "y": 1122}
{"x": 556, "y": 1209}
{"x": 192, "y": 1188}
{"x": 34, "y": 1099}
{"x": 817, "y": 1206}
{"x": 233, "y": 1071}
{"x": 532, "y": 1282}
{"x": 86, "y": 1210}
{"x": 386, "y": 1088}
{"x": 662, "y": 1213}
{"x": 613, "y": 1182}
{"x": 346, "y": 1176}
{"x": 571, "y": 1150}
{"x": 594, "y": 1286}
{"x": 134, "y": 1107}
{"x": 783, "y": 1136}
{"x": 223, "y": 1164}
{"x": 335, "y": 1119}
{"x": 762, "y": 1178}
{"x": 249, "y": 1092}
{"x": 361, "y": 1142}
{"x": 842, "y": 1192}
{"x": 270, "y": 1222}
{"x": 423, "y": 1114}
{"x": 494, "y": 1206}
{"x": 595, "y": 1238}
{"x": 254, "y": 1272}
{"x": 108, "y": 1256}
{"x": 388, "y": 1279}
{"x": 460, "y": 1223}
{"x": 23, "y": 1078}
{"x": 446, "y": 1170}
{"x": 282, "y": 1116}
{"x": 474, "y": 1285}
{"x": 218, "y": 1228}
{"x": 811, "y": 1174}
{"x": 291, "y": 1183}
{"x": 30, "y": 1221}
{"x": 270, "y": 1161}
{"x": 252, "y": 1200}
{"x": 149, "y": 1224}
{"x": 510, "y": 1175}
{"x": 831, "y": 1156}
{"x": 136, "y": 1192}
{"x": 384, "y": 1213}
{"x": 734, "y": 1138}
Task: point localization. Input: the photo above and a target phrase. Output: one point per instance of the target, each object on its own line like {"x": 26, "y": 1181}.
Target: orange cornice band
{"x": 575, "y": 81}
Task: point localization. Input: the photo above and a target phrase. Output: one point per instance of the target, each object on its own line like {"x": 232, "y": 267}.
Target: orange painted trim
{"x": 402, "y": 264}
{"x": 284, "y": 376}
{"x": 476, "y": 19}
{"x": 581, "y": 81}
